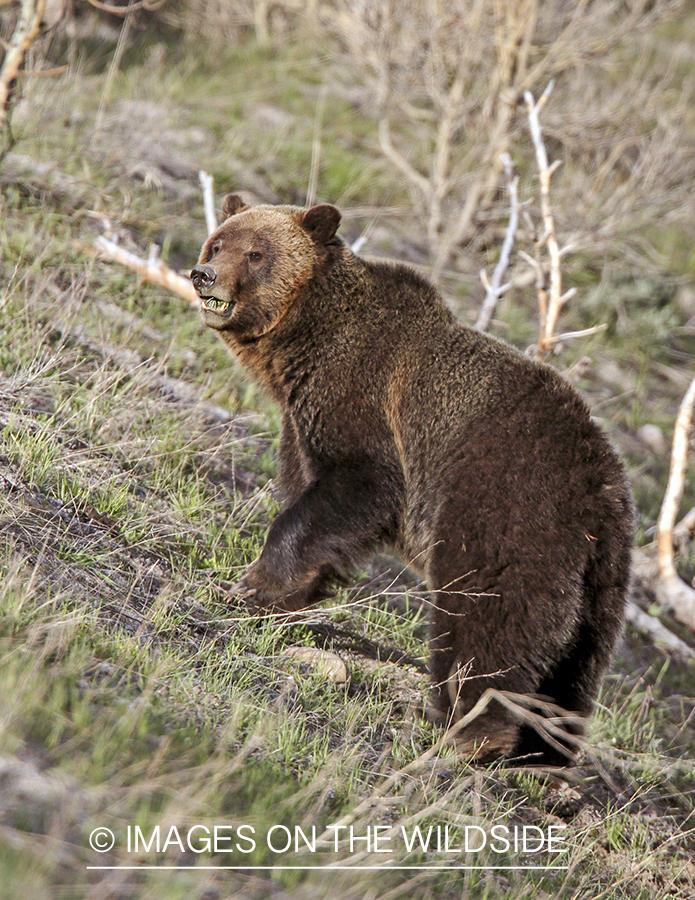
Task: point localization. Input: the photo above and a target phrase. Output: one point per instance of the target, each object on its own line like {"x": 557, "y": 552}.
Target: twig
{"x": 207, "y": 183}
{"x": 43, "y": 73}
{"x": 494, "y": 288}
{"x": 675, "y": 595}
{"x": 552, "y": 299}
{"x": 25, "y": 31}
{"x": 441, "y": 164}
{"x": 153, "y": 269}
{"x": 518, "y": 704}
{"x": 413, "y": 176}
{"x": 583, "y": 332}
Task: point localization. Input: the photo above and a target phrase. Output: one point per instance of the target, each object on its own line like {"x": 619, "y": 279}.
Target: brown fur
{"x": 404, "y": 429}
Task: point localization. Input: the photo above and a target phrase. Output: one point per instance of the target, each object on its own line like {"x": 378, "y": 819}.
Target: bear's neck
{"x": 328, "y": 310}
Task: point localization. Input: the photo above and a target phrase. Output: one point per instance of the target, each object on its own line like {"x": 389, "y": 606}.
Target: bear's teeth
{"x": 214, "y": 304}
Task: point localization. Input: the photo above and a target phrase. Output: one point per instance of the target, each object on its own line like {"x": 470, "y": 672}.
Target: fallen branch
{"x": 652, "y": 628}
{"x": 647, "y": 584}
{"x": 674, "y": 594}
{"x": 152, "y": 269}
{"x": 494, "y": 288}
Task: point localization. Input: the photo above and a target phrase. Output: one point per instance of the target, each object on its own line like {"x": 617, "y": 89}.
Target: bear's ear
{"x": 321, "y": 222}
{"x": 233, "y": 204}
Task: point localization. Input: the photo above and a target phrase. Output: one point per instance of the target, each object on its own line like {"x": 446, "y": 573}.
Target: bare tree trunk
{"x": 25, "y": 32}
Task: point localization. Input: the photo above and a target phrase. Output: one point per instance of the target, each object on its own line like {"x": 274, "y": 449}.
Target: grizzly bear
{"x": 403, "y": 429}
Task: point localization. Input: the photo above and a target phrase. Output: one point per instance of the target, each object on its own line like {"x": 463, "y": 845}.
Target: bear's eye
{"x": 214, "y": 250}
{"x": 255, "y": 255}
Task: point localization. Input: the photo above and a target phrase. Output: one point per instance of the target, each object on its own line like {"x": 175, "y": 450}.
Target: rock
{"x": 270, "y": 118}
{"x": 654, "y": 438}
{"x": 685, "y": 300}
{"x": 30, "y": 798}
{"x": 322, "y": 662}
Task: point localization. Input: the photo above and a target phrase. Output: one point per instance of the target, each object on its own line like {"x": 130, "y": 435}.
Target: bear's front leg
{"x": 260, "y": 589}
{"x": 350, "y": 509}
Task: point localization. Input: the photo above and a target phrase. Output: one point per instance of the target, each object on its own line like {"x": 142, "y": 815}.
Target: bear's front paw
{"x": 241, "y": 592}
{"x": 258, "y": 590}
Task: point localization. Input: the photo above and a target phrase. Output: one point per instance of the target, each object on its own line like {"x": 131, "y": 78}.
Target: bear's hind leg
{"x": 487, "y": 640}
{"x": 461, "y": 674}
{"x": 572, "y": 685}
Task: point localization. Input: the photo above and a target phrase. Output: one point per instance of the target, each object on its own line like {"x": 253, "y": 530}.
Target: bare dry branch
{"x": 584, "y": 332}
{"x": 400, "y": 162}
{"x": 551, "y": 303}
{"x": 675, "y": 595}
{"x": 652, "y": 628}
{"x": 494, "y": 288}
{"x": 207, "y": 183}
{"x": 153, "y": 269}
{"x": 414, "y": 58}
{"x": 25, "y": 32}
{"x": 43, "y": 73}
{"x": 440, "y": 176}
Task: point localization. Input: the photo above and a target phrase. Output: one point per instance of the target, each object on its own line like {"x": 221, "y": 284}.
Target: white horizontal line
{"x": 336, "y": 868}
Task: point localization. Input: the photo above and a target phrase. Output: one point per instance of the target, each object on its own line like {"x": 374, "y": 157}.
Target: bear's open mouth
{"x": 215, "y": 305}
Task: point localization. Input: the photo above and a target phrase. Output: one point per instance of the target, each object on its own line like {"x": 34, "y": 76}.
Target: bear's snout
{"x": 203, "y": 277}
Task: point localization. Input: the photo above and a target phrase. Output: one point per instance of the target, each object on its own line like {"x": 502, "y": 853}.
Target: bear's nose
{"x": 203, "y": 277}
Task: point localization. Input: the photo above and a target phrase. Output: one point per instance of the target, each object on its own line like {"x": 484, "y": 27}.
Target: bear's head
{"x": 256, "y": 264}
